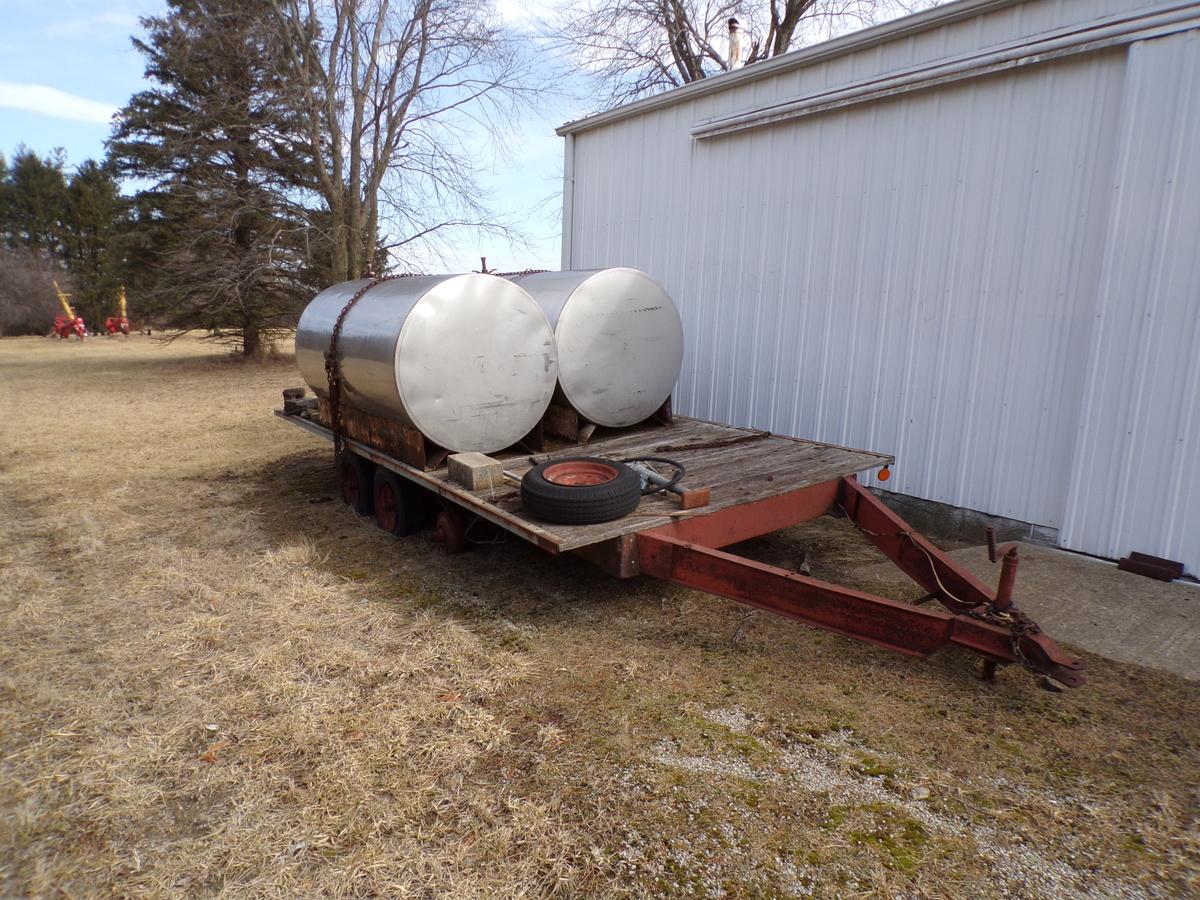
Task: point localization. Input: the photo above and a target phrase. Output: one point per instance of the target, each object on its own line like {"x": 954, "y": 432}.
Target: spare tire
{"x": 580, "y": 490}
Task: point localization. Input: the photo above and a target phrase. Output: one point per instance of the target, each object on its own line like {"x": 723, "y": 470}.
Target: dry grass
{"x": 213, "y": 682}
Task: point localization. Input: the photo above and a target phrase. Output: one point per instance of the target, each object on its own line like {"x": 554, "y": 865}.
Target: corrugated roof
{"x": 935, "y": 17}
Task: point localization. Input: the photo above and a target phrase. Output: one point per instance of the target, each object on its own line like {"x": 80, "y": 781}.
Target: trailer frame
{"x": 688, "y": 547}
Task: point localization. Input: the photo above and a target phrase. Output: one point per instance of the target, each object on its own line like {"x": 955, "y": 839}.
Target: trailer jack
{"x": 977, "y": 619}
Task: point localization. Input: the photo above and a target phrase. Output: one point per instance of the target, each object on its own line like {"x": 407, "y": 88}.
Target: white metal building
{"x": 970, "y": 237}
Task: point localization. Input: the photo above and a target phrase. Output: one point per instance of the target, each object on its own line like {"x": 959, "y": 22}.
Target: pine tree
{"x": 91, "y": 234}
{"x": 35, "y": 196}
{"x": 222, "y": 229}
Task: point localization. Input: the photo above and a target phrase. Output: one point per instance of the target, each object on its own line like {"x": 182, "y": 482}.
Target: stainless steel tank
{"x": 620, "y": 341}
{"x": 468, "y": 360}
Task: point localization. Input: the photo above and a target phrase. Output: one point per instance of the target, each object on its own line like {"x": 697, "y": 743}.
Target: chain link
{"x": 333, "y": 366}
{"x": 1017, "y": 622}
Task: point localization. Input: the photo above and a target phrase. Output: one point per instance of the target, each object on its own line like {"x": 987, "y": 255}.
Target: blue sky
{"x": 67, "y": 65}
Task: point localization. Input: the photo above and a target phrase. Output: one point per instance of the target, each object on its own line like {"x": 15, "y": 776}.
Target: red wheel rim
{"x": 577, "y": 472}
{"x": 385, "y": 506}
{"x": 350, "y": 484}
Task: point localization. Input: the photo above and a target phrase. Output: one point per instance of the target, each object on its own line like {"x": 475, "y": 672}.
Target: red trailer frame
{"x": 685, "y": 548}
{"x": 979, "y": 620}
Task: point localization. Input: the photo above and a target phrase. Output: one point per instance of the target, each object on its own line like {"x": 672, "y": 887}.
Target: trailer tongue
{"x": 759, "y": 483}
{"x": 978, "y": 620}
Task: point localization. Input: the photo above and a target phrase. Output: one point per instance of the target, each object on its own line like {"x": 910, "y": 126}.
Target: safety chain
{"x": 333, "y": 366}
{"x": 518, "y": 274}
{"x": 1019, "y": 626}
{"x": 1017, "y": 622}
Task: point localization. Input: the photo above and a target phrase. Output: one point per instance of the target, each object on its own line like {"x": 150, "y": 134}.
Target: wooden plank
{"x": 742, "y": 471}
{"x": 385, "y": 435}
{"x": 737, "y": 474}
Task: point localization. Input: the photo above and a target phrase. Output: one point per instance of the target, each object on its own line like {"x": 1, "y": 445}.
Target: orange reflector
{"x": 884, "y": 474}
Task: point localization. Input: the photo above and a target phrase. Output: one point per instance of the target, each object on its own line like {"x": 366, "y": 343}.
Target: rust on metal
{"x": 1151, "y": 566}
{"x": 1008, "y": 578}
{"x": 686, "y": 553}
{"x": 576, "y": 472}
{"x": 333, "y": 362}
{"x": 401, "y": 440}
{"x": 450, "y": 530}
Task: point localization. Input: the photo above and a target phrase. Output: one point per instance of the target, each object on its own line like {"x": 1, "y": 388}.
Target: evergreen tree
{"x": 4, "y": 193}
{"x": 34, "y": 202}
{"x": 222, "y": 229}
{"x": 92, "y": 232}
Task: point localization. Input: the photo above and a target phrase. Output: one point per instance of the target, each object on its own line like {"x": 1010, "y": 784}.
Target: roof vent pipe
{"x": 735, "y": 44}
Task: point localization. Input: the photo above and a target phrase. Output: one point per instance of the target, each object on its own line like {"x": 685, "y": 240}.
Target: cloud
{"x": 48, "y": 101}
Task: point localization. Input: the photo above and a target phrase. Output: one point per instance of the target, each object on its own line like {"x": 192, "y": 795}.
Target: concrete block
{"x": 475, "y": 471}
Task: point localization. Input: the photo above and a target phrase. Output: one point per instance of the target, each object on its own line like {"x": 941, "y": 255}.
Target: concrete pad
{"x": 1093, "y": 605}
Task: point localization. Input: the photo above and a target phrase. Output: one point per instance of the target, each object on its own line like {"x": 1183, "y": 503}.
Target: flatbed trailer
{"x": 760, "y": 483}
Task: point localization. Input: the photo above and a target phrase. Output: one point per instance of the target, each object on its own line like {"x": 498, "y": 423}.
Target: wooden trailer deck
{"x": 739, "y": 465}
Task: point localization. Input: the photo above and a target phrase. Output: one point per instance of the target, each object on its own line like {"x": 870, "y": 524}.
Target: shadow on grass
{"x": 299, "y": 499}
{"x": 503, "y": 580}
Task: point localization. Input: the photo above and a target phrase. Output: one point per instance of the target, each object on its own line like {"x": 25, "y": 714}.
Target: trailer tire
{"x": 580, "y": 490}
{"x": 356, "y": 478}
{"x": 401, "y": 507}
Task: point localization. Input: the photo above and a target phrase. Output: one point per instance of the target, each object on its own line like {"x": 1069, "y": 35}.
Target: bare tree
{"x": 27, "y": 298}
{"x": 633, "y": 48}
{"x": 392, "y": 94}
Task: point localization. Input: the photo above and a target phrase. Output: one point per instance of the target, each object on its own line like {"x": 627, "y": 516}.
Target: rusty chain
{"x": 1017, "y": 622}
{"x": 333, "y": 366}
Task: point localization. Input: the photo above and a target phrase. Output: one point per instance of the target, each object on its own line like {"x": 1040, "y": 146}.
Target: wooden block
{"x": 475, "y": 471}
{"x": 297, "y": 406}
{"x": 1151, "y": 566}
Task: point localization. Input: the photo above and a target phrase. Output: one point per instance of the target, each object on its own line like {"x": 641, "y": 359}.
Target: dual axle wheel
{"x": 400, "y": 507}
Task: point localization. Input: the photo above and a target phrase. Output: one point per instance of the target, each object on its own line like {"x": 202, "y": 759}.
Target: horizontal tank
{"x": 468, "y": 360}
{"x": 620, "y": 341}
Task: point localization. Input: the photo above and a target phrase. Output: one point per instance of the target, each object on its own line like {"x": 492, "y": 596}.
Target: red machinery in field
{"x": 118, "y": 324}
{"x": 66, "y": 323}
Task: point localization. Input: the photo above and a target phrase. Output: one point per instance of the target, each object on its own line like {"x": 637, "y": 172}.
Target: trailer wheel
{"x": 450, "y": 530}
{"x": 355, "y": 477}
{"x": 401, "y": 507}
{"x": 580, "y": 490}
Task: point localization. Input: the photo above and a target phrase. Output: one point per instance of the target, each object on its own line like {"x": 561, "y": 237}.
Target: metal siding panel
{"x": 1134, "y": 484}
{"x": 916, "y": 275}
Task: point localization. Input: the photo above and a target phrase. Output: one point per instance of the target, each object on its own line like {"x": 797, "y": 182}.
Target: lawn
{"x": 216, "y": 681}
